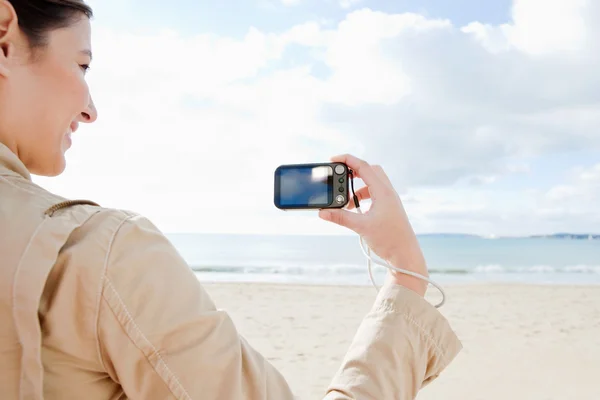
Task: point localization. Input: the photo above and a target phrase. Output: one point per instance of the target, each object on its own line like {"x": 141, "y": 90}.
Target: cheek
{"x": 58, "y": 95}
{"x": 69, "y": 98}
{"x": 61, "y": 98}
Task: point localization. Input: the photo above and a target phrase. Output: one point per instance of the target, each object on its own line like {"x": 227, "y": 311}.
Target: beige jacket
{"x": 96, "y": 304}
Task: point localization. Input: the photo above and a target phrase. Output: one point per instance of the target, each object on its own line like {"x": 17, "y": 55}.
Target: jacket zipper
{"x": 68, "y": 203}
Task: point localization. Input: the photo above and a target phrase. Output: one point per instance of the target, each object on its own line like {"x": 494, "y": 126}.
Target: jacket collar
{"x": 11, "y": 165}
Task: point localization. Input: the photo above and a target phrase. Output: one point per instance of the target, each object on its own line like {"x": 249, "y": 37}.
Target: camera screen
{"x": 302, "y": 186}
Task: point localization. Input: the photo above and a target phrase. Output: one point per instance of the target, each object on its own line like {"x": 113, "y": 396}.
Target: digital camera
{"x": 311, "y": 186}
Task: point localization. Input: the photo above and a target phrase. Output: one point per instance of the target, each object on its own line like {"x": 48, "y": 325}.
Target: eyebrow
{"x": 87, "y": 53}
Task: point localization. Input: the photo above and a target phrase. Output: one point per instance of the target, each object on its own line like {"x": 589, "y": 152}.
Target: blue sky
{"x": 234, "y": 17}
{"x": 483, "y": 113}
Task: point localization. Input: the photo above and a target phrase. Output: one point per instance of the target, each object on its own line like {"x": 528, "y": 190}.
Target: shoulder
{"x": 110, "y": 230}
{"x": 127, "y": 256}
{"x": 127, "y": 244}
{"x": 136, "y": 243}
{"x": 144, "y": 276}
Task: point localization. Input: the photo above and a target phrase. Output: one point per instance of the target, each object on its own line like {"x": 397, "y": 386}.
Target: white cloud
{"x": 580, "y": 194}
{"x": 470, "y": 110}
{"x": 539, "y": 27}
{"x": 192, "y": 128}
{"x": 345, "y": 4}
{"x": 542, "y": 26}
{"x": 570, "y": 205}
{"x": 362, "y": 72}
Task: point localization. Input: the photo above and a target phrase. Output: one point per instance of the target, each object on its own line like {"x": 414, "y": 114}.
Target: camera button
{"x": 340, "y": 199}
{"x": 339, "y": 169}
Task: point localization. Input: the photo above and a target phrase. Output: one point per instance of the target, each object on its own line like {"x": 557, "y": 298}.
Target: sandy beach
{"x": 520, "y": 341}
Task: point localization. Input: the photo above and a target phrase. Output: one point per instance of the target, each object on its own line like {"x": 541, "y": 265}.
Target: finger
{"x": 347, "y": 219}
{"x": 361, "y": 168}
{"x": 361, "y": 194}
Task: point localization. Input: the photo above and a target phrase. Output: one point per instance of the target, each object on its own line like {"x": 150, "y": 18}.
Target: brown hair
{"x": 38, "y": 17}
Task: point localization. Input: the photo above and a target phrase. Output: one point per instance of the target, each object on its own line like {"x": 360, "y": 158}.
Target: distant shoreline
{"x": 561, "y": 236}
{"x": 567, "y": 236}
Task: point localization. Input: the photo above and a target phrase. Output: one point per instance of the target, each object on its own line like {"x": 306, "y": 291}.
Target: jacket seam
{"x": 428, "y": 336}
{"x": 108, "y": 284}
{"x": 386, "y": 307}
{"x": 101, "y": 286}
{"x": 14, "y": 296}
{"x": 145, "y": 341}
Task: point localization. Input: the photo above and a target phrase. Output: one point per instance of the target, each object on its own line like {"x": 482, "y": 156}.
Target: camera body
{"x": 311, "y": 186}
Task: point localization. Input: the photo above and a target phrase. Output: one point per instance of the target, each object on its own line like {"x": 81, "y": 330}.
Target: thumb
{"x": 342, "y": 217}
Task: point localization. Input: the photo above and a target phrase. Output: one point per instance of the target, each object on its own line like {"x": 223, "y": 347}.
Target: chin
{"x": 59, "y": 167}
{"x": 51, "y": 169}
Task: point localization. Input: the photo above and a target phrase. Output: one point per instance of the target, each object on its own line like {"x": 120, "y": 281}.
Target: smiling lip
{"x": 74, "y": 126}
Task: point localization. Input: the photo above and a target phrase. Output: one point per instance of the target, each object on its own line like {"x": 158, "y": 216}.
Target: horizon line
{"x": 354, "y": 234}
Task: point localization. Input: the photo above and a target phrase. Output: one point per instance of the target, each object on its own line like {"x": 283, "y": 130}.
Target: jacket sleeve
{"x": 161, "y": 336}
{"x": 402, "y": 345}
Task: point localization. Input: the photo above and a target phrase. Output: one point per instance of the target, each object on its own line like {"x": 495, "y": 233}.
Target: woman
{"x": 96, "y": 303}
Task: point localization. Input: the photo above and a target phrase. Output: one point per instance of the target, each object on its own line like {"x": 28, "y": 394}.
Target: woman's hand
{"x": 385, "y": 227}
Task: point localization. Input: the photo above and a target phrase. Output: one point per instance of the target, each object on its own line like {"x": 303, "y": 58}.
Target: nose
{"x": 90, "y": 114}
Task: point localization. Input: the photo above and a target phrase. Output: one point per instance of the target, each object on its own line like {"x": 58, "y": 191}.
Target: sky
{"x": 485, "y": 115}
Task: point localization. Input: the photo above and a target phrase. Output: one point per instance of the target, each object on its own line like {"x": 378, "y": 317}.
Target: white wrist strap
{"x": 367, "y": 252}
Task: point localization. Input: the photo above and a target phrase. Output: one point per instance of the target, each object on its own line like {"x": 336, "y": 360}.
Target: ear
{"x": 9, "y": 29}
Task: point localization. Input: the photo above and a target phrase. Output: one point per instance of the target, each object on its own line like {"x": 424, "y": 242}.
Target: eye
{"x": 85, "y": 67}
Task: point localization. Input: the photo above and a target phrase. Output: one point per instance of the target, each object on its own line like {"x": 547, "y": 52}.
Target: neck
{"x": 10, "y": 162}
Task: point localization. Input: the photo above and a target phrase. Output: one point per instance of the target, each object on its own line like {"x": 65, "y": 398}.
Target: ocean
{"x": 339, "y": 259}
